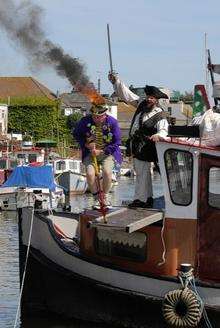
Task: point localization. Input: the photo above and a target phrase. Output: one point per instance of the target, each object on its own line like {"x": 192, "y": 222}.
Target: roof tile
{"x": 23, "y": 87}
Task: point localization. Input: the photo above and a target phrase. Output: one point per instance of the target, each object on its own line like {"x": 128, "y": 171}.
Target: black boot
{"x": 136, "y": 203}
{"x": 149, "y": 203}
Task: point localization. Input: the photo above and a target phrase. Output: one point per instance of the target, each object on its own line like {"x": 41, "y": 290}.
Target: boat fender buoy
{"x": 182, "y": 308}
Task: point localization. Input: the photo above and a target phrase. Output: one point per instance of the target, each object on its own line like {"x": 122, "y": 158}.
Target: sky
{"x": 153, "y": 42}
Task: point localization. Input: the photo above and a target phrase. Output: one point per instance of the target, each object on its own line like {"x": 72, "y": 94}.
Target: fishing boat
{"x": 134, "y": 267}
{"x": 31, "y": 186}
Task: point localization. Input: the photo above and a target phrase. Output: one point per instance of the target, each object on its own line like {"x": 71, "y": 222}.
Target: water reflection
{"x": 9, "y": 268}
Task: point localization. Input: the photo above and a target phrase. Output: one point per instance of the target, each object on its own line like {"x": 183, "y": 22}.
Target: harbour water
{"x": 9, "y": 266}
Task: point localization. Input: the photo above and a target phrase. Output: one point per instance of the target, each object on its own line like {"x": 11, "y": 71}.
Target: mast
{"x": 211, "y": 74}
{"x": 206, "y": 68}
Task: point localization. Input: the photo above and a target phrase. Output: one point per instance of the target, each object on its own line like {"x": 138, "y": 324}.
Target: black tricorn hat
{"x": 150, "y": 90}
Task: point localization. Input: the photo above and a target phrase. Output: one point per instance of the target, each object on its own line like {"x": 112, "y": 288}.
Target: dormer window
{"x": 179, "y": 169}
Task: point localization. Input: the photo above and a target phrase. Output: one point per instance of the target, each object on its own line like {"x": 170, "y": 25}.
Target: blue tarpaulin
{"x": 32, "y": 177}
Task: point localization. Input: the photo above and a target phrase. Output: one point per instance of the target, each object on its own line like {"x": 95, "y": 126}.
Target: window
{"x": 32, "y": 158}
{"x": 214, "y": 187}
{"x": 68, "y": 111}
{"x": 23, "y": 156}
{"x": 179, "y": 169}
{"x": 61, "y": 166}
{"x": 74, "y": 166}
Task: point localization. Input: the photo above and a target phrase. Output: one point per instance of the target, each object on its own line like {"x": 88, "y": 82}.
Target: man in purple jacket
{"x": 99, "y": 136}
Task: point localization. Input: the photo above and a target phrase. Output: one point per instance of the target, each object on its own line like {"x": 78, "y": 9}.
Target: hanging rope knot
{"x": 185, "y": 277}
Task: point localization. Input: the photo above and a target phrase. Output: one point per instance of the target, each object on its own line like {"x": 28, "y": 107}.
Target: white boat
{"x": 68, "y": 174}
{"x": 141, "y": 262}
{"x": 24, "y": 188}
{"x": 128, "y": 172}
{"x": 73, "y": 182}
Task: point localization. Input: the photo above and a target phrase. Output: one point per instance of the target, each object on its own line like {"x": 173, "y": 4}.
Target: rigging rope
{"x": 163, "y": 243}
{"x": 205, "y": 315}
{"x": 25, "y": 268}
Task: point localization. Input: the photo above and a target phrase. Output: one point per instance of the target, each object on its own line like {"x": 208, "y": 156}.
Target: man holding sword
{"x": 148, "y": 126}
{"x": 99, "y": 137}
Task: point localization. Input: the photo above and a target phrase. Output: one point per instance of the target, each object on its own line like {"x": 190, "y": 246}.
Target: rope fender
{"x": 182, "y": 308}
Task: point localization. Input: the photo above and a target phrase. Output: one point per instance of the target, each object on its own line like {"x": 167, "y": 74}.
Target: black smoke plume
{"x": 23, "y": 24}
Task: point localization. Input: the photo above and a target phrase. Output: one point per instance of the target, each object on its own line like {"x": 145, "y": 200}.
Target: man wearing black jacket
{"x": 148, "y": 126}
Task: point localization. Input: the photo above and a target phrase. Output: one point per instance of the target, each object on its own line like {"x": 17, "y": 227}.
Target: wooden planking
{"x": 180, "y": 237}
{"x": 144, "y": 222}
{"x": 180, "y": 246}
{"x": 128, "y": 220}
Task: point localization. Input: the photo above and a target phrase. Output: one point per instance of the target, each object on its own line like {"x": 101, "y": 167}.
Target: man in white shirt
{"x": 149, "y": 125}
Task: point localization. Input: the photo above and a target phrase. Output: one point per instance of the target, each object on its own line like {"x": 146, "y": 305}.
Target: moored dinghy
{"x": 121, "y": 271}
{"x": 68, "y": 173}
{"x": 31, "y": 186}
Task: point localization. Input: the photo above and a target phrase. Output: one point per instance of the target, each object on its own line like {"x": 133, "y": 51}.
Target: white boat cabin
{"x": 67, "y": 164}
{"x": 191, "y": 177}
{"x": 189, "y": 229}
{"x": 185, "y": 169}
{"x": 29, "y": 156}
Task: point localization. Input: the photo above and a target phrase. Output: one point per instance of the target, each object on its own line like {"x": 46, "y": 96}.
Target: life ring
{"x": 182, "y": 308}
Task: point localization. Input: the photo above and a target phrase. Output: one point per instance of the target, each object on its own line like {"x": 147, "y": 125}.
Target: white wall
{"x": 17, "y": 136}
{"x": 3, "y": 119}
{"x": 177, "y": 111}
{"x": 113, "y": 111}
{"x": 165, "y": 103}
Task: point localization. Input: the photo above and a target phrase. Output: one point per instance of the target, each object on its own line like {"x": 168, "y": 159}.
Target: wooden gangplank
{"x": 128, "y": 220}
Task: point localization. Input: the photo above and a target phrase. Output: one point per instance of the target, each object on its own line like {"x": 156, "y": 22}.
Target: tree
{"x": 187, "y": 97}
{"x": 73, "y": 119}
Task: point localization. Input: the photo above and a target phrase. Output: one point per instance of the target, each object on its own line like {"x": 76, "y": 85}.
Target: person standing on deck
{"x": 98, "y": 135}
{"x": 148, "y": 125}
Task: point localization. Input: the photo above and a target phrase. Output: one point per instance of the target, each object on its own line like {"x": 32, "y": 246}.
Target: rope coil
{"x": 182, "y": 308}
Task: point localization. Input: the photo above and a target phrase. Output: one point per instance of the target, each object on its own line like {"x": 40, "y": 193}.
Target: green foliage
{"x": 71, "y": 124}
{"x": 124, "y": 140}
{"x": 73, "y": 119}
{"x": 187, "y": 97}
{"x": 27, "y": 137}
{"x": 38, "y": 117}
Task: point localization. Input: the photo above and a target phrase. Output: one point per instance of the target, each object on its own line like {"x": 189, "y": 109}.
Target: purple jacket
{"x": 111, "y": 136}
